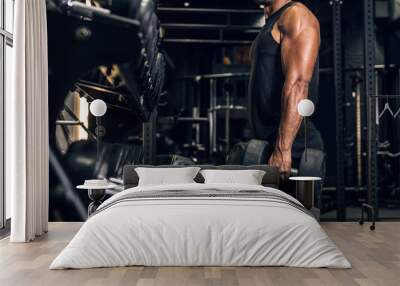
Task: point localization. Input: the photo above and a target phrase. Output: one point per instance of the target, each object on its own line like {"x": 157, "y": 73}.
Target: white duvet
{"x": 200, "y": 232}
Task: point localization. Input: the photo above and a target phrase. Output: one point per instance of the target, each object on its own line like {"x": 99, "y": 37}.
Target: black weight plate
{"x": 256, "y": 152}
{"x": 141, "y": 8}
{"x": 151, "y": 77}
{"x": 145, "y": 14}
{"x": 235, "y": 155}
{"x": 149, "y": 40}
{"x": 158, "y": 81}
{"x": 152, "y": 47}
{"x": 152, "y": 29}
{"x": 149, "y": 52}
{"x": 147, "y": 73}
{"x": 147, "y": 62}
{"x": 313, "y": 165}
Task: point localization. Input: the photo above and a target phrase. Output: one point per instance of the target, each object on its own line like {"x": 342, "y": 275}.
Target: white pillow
{"x": 166, "y": 176}
{"x": 247, "y": 177}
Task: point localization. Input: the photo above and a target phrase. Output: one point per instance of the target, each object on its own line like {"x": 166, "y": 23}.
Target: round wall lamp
{"x": 305, "y": 108}
{"x": 98, "y": 109}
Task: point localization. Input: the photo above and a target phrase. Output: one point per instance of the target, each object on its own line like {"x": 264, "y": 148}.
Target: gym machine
{"x": 110, "y": 51}
{"x": 227, "y": 108}
{"x": 211, "y": 115}
{"x": 223, "y": 101}
{"x": 90, "y": 36}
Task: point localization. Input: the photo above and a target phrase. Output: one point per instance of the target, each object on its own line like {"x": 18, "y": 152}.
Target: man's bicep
{"x": 299, "y": 54}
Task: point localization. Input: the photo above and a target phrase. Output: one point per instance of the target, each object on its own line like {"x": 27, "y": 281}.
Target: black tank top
{"x": 267, "y": 79}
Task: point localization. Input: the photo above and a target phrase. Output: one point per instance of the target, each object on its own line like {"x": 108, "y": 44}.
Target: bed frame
{"x": 271, "y": 177}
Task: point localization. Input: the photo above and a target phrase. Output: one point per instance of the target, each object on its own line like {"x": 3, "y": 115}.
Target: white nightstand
{"x": 305, "y": 187}
{"x": 96, "y": 195}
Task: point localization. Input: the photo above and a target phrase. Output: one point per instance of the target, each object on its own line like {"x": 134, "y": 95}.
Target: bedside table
{"x": 305, "y": 187}
{"x": 96, "y": 195}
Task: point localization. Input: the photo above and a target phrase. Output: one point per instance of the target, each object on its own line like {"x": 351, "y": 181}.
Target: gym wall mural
{"x": 180, "y": 82}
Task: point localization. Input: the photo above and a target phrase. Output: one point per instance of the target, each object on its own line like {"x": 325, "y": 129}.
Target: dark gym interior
{"x": 177, "y": 93}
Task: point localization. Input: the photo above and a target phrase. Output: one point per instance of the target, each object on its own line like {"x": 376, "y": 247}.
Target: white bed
{"x": 209, "y": 230}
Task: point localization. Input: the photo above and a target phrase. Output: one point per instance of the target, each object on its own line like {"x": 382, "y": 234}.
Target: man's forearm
{"x": 291, "y": 119}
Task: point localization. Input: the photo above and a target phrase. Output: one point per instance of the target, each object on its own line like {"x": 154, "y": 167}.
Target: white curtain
{"x": 27, "y": 123}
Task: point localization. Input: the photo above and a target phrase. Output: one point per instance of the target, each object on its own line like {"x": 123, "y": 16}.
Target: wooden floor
{"x": 375, "y": 257}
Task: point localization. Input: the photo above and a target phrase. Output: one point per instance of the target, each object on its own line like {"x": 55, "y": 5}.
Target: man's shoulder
{"x": 298, "y": 17}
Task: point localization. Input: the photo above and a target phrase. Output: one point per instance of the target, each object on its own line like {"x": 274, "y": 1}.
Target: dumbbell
{"x": 253, "y": 152}
{"x": 256, "y": 152}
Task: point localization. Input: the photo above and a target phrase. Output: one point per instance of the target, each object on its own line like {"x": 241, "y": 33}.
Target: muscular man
{"x": 285, "y": 71}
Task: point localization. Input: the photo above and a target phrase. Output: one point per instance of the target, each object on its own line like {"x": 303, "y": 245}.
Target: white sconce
{"x": 306, "y": 109}
{"x": 98, "y": 108}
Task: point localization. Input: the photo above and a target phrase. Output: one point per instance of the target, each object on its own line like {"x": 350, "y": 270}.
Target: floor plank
{"x": 375, "y": 257}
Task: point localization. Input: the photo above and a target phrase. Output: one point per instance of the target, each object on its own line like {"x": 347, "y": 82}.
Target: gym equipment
{"x": 122, "y": 32}
{"x": 150, "y": 41}
{"x": 236, "y": 154}
{"x": 371, "y": 213}
{"x": 228, "y": 107}
{"x": 356, "y": 81}
{"x": 253, "y": 152}
{"x": 67, "y": 200}
{"x": 149, "y": 53}
{"x": 81, "y": 161}
{"x": 144, "y": 13}
{"x": 257, "y": 151}
{"x": 312, "y": 163}
{"x": 225, "y": 104}
{"x": 175, "y": 160}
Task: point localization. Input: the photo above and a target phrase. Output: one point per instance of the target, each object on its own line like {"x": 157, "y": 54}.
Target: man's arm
{"x": 300, "y": 40}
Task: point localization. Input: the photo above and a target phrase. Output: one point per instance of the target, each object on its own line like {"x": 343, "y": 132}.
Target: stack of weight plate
{"x": 151, "y": 63}
{"x": 122, "y": 32}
